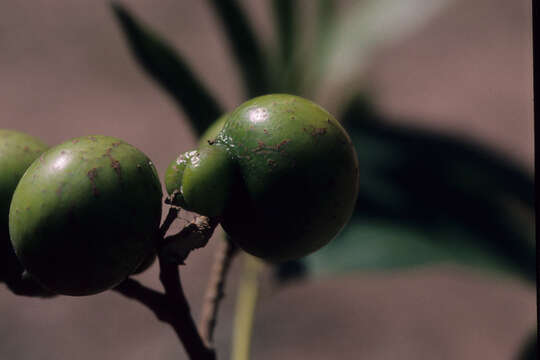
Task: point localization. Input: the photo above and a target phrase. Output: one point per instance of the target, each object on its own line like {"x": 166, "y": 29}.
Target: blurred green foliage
{"x": 424, "y": 197}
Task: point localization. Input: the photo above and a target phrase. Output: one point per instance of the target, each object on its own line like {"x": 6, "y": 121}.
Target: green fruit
{"x": 200, "y": 180}
{"x": 207, "y": 184}
{"x": 17, "y": 152}
{"x": 173, "y": 178}
{"x": 213, "y": 131}
{"x": 297, "y": 179}
{"x": 84, "y": 215}
{"x": 207, "y": 180}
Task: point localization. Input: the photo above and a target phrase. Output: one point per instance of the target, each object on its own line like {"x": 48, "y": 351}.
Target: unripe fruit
{"x": 281, "y": 173}
{"x": 17, "y": 152}
{"x": 173, "y": 178}
{"x": 208, "y": 184}
{"x": 297, "y": 177}
{"x": 207, "y": 180}
{"x": 84, "y": 215}
{"x": 213, "y": 130}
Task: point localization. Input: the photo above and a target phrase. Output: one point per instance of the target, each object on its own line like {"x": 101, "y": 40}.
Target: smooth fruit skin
{"x": 207, "y": 180}
{"x": 213, "y": 131}
{"x": 207, "y": 185}
{"x": 298, "y": 176}
{"x": 17, "y": 152}
{"x": 174, "y": 175}
{"x": 84, "y": 215}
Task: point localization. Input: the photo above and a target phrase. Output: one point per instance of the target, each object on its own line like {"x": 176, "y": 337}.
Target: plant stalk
{"x": 245, "y": 308}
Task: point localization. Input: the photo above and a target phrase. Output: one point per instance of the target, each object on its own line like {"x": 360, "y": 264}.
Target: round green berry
{"x": 17, "y": 152}
{"x": 297, "y": 177}
{"x": 85, "y": 214}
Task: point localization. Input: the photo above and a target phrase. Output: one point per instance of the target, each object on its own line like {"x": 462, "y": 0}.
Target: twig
{"x": 181, "y": 320}
{"x": 176, "y": 248}
{"x": 172, "y": 307}
{"x": 215, "y": 289}
{"x": 171, "y": 216}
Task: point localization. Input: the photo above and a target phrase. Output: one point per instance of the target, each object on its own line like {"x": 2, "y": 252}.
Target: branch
{"x": 181, "y": 320}
{"x": 176, "y": 248}
{"x": 215, "y": 290}
{"x": 172, "y": 307}
{"x": 171, "y": 216}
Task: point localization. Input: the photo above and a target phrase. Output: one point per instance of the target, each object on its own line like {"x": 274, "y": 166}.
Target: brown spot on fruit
{"x": 92, "y": 175}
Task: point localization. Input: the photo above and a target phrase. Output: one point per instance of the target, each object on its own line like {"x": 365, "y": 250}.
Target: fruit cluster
{"x": 279, "y": 172}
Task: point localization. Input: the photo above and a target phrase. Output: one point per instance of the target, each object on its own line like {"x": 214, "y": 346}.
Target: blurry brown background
{"x": 65, "y": 71}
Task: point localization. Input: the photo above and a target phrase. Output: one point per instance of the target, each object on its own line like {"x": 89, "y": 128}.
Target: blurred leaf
{"x": 366, "y": 26}
{"x": 320, "y": 54}
{"x": 169, "y": 70}
{"x": 245, "y": 47}
{"x": 428, "y": 198}
{"x": 530, "y": 348}
{"x": 287, "y": 72}
{"x": 285, "y": 15}
{"x": 372, "y": 244}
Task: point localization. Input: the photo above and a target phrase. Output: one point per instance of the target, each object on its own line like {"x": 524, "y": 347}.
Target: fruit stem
{"x": 181, "y": 319}
{"x": 245, "y": 308}
{"x": 215, "y": 289}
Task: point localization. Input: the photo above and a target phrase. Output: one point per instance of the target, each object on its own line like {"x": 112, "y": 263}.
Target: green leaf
{"x": 245, "y": 46}
{"x": 287, "y": 72}
{"x": 374, "y": 244}
{"x": 161, "y": 62}
{"x": 285, "y": 16}
{"x": 367, "y": 25}
{"x": 428, "y": 198}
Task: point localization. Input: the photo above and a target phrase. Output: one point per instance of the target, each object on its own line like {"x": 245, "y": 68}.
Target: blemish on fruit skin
{"x": 74, "y": 141}
{"x": 283, "y": 143}
{"x": 115, "y": 164}
{"x": 314, "y": 131}
{"x": 92, "y": 174}
{"x": 262, "y": 148}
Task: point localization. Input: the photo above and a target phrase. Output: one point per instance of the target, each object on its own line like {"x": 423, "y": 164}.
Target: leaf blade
{"x": 169, "y": 70}
{"x": 427, "y": 198}
{"x": 244, "y": 45}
